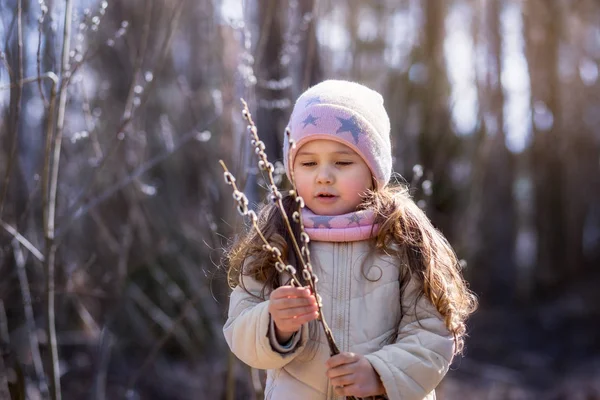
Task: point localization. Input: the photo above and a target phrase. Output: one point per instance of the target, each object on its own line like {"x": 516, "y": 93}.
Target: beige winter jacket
{"x": 360, "y": 303}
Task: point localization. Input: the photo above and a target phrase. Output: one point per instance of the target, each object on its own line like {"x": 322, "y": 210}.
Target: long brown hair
{"x": 431, "y": 259}
{"x": 403, "y": 226}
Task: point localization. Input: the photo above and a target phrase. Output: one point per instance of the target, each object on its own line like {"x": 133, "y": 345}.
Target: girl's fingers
{"x": 287, "y": 303}
{"x": 289, "y": 291}
{"x": 296, "y": 311}
{"x": 341, "y": 370}
{"x": 343, "y": 380}
{"x": 293, "y": 324}
{"x": 346, "y": 390}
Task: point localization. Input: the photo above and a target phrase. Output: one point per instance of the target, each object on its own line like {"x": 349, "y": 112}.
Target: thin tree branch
{"x": 17, "y": 108}
{"x": 105, "y": 346}
{"x": 29, "y": 318}
{"x": 55, "y": 391}
{"x": 48, "y": 75}
{"x": 44, "y": 9}
{"x": 21, "y": 239}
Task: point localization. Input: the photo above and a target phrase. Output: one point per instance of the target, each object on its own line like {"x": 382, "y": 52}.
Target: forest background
{"x": 114, "y": 213}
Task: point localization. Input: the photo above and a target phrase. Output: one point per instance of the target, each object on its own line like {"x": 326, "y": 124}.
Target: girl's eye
{"x": 308, "y": 164}
{"x": 344, "y": 163}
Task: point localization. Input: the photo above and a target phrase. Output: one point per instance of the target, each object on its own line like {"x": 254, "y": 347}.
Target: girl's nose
{"x": 324, "y": 176}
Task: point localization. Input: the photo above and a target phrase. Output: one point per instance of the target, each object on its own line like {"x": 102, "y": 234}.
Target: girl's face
{"x": 331, "y": 177}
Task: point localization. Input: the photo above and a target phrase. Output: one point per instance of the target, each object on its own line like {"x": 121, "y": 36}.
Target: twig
{"x": 104, "y": 357}
{"x": 29, "y": 318}
{"x": 47, "y": 152}
{"x": 308, "y": 271}
{"x": 6, "y": 42}
{"x": 242, "y": 208}
{"x": 55, "y": 391}
{"x": 17, "y": 109}
{"x": 304, "y": 253}
{"x": 48, "y": 75}
{"x": 26, "y": 243}
{"x": 44, "y": 9}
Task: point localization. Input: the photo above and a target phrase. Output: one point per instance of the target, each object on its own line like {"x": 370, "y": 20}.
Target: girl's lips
{"x": 326, "y": 199}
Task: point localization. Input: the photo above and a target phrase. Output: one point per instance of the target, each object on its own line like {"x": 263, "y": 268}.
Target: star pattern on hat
{"x": 313, "y": 100}
{"x": 310, "y": 120}
{"x": 354, "y": 218}
{"x": 350, "y": 125}
{"x": 321, "y": 220}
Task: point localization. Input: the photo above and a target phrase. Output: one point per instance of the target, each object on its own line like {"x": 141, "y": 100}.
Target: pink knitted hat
{"x": 349, "y": 113}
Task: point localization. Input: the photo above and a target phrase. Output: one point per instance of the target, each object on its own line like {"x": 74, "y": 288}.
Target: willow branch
{"x": 242, "y": 208}
{"x": 308, "y": 271}
{"x": 304, "y": 252}
{"x": 264, "y": 164}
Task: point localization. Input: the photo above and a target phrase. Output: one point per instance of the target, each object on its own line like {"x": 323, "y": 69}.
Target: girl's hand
{"x": 353, "y": 375}
{"x": 290, "y": 308}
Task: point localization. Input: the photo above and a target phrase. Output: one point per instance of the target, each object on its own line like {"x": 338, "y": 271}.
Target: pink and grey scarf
{"x": 351, "y": 227}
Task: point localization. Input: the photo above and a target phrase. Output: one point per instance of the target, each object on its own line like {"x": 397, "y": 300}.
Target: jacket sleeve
{"x": 414, "y": 365}
{"x": 249, "y": 330}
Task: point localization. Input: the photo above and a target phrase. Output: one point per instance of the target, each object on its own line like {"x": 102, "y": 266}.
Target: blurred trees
{"x": 494, "y": 111}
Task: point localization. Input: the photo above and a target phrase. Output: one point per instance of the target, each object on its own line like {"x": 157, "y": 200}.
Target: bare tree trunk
{"x": 438, "y": 145}
{"x": 542, "y": 24}
{"x": 311, "y": 71}
{"x": 273, "y": 87}
{"x": 580, "y": 155}
{"x": 494, "y": 274}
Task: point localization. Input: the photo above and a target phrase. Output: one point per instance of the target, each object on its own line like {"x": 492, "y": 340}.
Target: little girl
{"x": 390, "y": 283}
